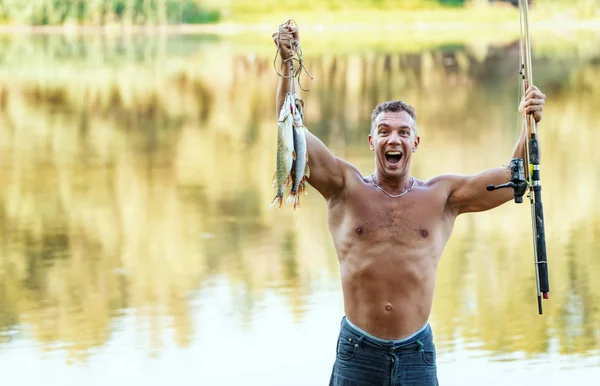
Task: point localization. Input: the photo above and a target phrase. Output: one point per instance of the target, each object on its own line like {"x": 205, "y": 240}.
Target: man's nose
{"x": 394, "y": 137}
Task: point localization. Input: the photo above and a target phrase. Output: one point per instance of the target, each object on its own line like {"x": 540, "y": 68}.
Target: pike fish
{"x": 285, "y": 148}
{"x": 300, "y": 169}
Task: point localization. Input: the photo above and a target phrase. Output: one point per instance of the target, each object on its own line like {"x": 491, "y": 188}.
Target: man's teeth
{"x": 393, "y": 153}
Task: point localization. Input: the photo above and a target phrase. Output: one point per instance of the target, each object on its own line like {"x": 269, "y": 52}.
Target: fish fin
{"x": 294, "y": 155}
{"x": 307, "y": 171}
{"x": 294, "y": 198}
{"x": 285, "y": 115}
{"x": 277, "y": 200}
{"x": 275, "y": 179}
{"x": 285, "y": 111}
{"x": 291, "y": 198}
{"x": 303, "y": 184}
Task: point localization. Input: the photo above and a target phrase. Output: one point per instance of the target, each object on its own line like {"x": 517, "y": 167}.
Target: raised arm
{"x": 469, "y": 194}
{"x": 326, "y": 170}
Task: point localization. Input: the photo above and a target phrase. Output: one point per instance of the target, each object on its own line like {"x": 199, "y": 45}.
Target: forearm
{"x": 284, "y": 85}
{"x": 520, "y": 149}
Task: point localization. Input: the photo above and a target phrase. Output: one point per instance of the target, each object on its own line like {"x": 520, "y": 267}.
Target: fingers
{"x": 283, "y": 37}
{"x": 535, "y": 94}
{"x": 533, "y": 91}
{"x": 534, "y": 102}
{"x": 287, "y": 31}
{"x": 532, "y": 106}
{"x": 295, "y": 32}
{"x": 286, "y": 38}
{"x": 533, "y": 97}
{"x": 282, "y": 41}
{"x": 291, "y": 27}
{"x": 285, "y": 45}
{"x": 533, "y": 109}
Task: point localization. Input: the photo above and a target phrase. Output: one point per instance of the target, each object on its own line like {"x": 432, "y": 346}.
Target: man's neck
{"x": 393, "y": 185}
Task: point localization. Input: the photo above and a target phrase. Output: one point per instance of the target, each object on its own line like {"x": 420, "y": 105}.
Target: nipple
{"x": 388, "y": 307}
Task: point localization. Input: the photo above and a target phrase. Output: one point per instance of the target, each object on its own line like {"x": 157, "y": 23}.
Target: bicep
{"x": 326, "y": 170}
{"x": 469, "y": 193}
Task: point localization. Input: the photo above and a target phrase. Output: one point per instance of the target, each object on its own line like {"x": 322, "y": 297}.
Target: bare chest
{"x": 371, "y": 216}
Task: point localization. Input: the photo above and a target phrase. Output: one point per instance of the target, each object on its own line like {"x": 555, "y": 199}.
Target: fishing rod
{"x": 532, "y": 157}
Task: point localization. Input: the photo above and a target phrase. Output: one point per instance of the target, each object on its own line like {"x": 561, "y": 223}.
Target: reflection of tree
{"x": 579, "y": 333}
{"x": 127, "y": 187}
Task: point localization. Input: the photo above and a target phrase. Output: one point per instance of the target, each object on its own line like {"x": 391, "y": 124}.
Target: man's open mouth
{"x": 393, "y": 157}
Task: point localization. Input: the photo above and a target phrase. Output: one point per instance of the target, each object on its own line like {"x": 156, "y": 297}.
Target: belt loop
{"x": 420, "y": 344}
{"x": 359, "y": 340}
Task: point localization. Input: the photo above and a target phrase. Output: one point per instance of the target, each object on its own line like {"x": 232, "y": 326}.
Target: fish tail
{"x": 302, "y": 187}
{"x": 294, "y": 198}
{"x": 277, "y": 200}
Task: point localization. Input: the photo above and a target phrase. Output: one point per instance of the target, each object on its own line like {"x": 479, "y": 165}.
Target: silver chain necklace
{"x": 392, "y": 195}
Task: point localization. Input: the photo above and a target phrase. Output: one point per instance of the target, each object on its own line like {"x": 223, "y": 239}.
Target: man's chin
{"x": 393, "y": 169}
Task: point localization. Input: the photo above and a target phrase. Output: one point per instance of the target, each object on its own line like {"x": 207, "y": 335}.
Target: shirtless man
{"x": 389, "y": 230}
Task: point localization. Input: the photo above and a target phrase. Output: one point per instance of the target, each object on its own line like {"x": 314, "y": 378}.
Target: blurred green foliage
{"x": 236, "y": 6}
{"x": 145, "y": 12}
{"x": 101, "y": 12}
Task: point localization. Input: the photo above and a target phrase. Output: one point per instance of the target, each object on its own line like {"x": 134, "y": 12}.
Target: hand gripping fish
{"x": 300, "y": 169}
{"x": 285, "y": 148}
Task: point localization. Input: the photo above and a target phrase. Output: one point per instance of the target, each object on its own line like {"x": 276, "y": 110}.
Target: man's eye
{"x": 383, "y": 132}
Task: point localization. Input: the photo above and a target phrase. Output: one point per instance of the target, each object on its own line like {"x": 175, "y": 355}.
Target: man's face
{"x": 393, "y": 141}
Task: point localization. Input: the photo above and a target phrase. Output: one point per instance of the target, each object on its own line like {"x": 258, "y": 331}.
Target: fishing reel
{"x": 517, "y": 180}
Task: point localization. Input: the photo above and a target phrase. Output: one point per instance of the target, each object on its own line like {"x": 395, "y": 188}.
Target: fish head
{"x": 298, "y": 112}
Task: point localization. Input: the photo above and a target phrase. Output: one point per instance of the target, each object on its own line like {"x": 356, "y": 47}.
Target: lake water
{"x": 137, "y": 246}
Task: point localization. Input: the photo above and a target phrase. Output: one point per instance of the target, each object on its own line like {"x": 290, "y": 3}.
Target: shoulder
{"x": 444, "y": 186}
{"x": 351, "y": 172}
{"x": 351, "y": 177}
{"x": 444, "y": 182}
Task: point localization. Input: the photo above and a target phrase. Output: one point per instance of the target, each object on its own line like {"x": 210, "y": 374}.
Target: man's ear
{"x": 416, "y": 144}
{"x": 371, "y": 145}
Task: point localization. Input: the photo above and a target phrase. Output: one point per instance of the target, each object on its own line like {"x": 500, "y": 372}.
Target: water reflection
{"x": 137, "y": 172}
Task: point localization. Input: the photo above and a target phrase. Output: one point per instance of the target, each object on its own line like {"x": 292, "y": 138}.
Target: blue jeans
{"x": 364, "y": 360}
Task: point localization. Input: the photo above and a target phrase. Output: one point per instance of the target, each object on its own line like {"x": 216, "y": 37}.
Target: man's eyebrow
{"x": 383, "y": 124}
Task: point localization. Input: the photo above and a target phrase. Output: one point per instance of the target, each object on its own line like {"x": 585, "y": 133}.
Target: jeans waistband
{"x": 416, "y": 338}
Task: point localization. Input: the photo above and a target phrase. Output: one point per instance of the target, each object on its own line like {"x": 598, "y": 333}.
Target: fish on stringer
{"x": 300, "y": 171}
{"x": 285, "y": 148}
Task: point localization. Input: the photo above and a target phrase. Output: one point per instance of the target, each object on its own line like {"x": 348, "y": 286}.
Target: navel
{"x": 424, "y": 233}
{"x": 388, "y": 307}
